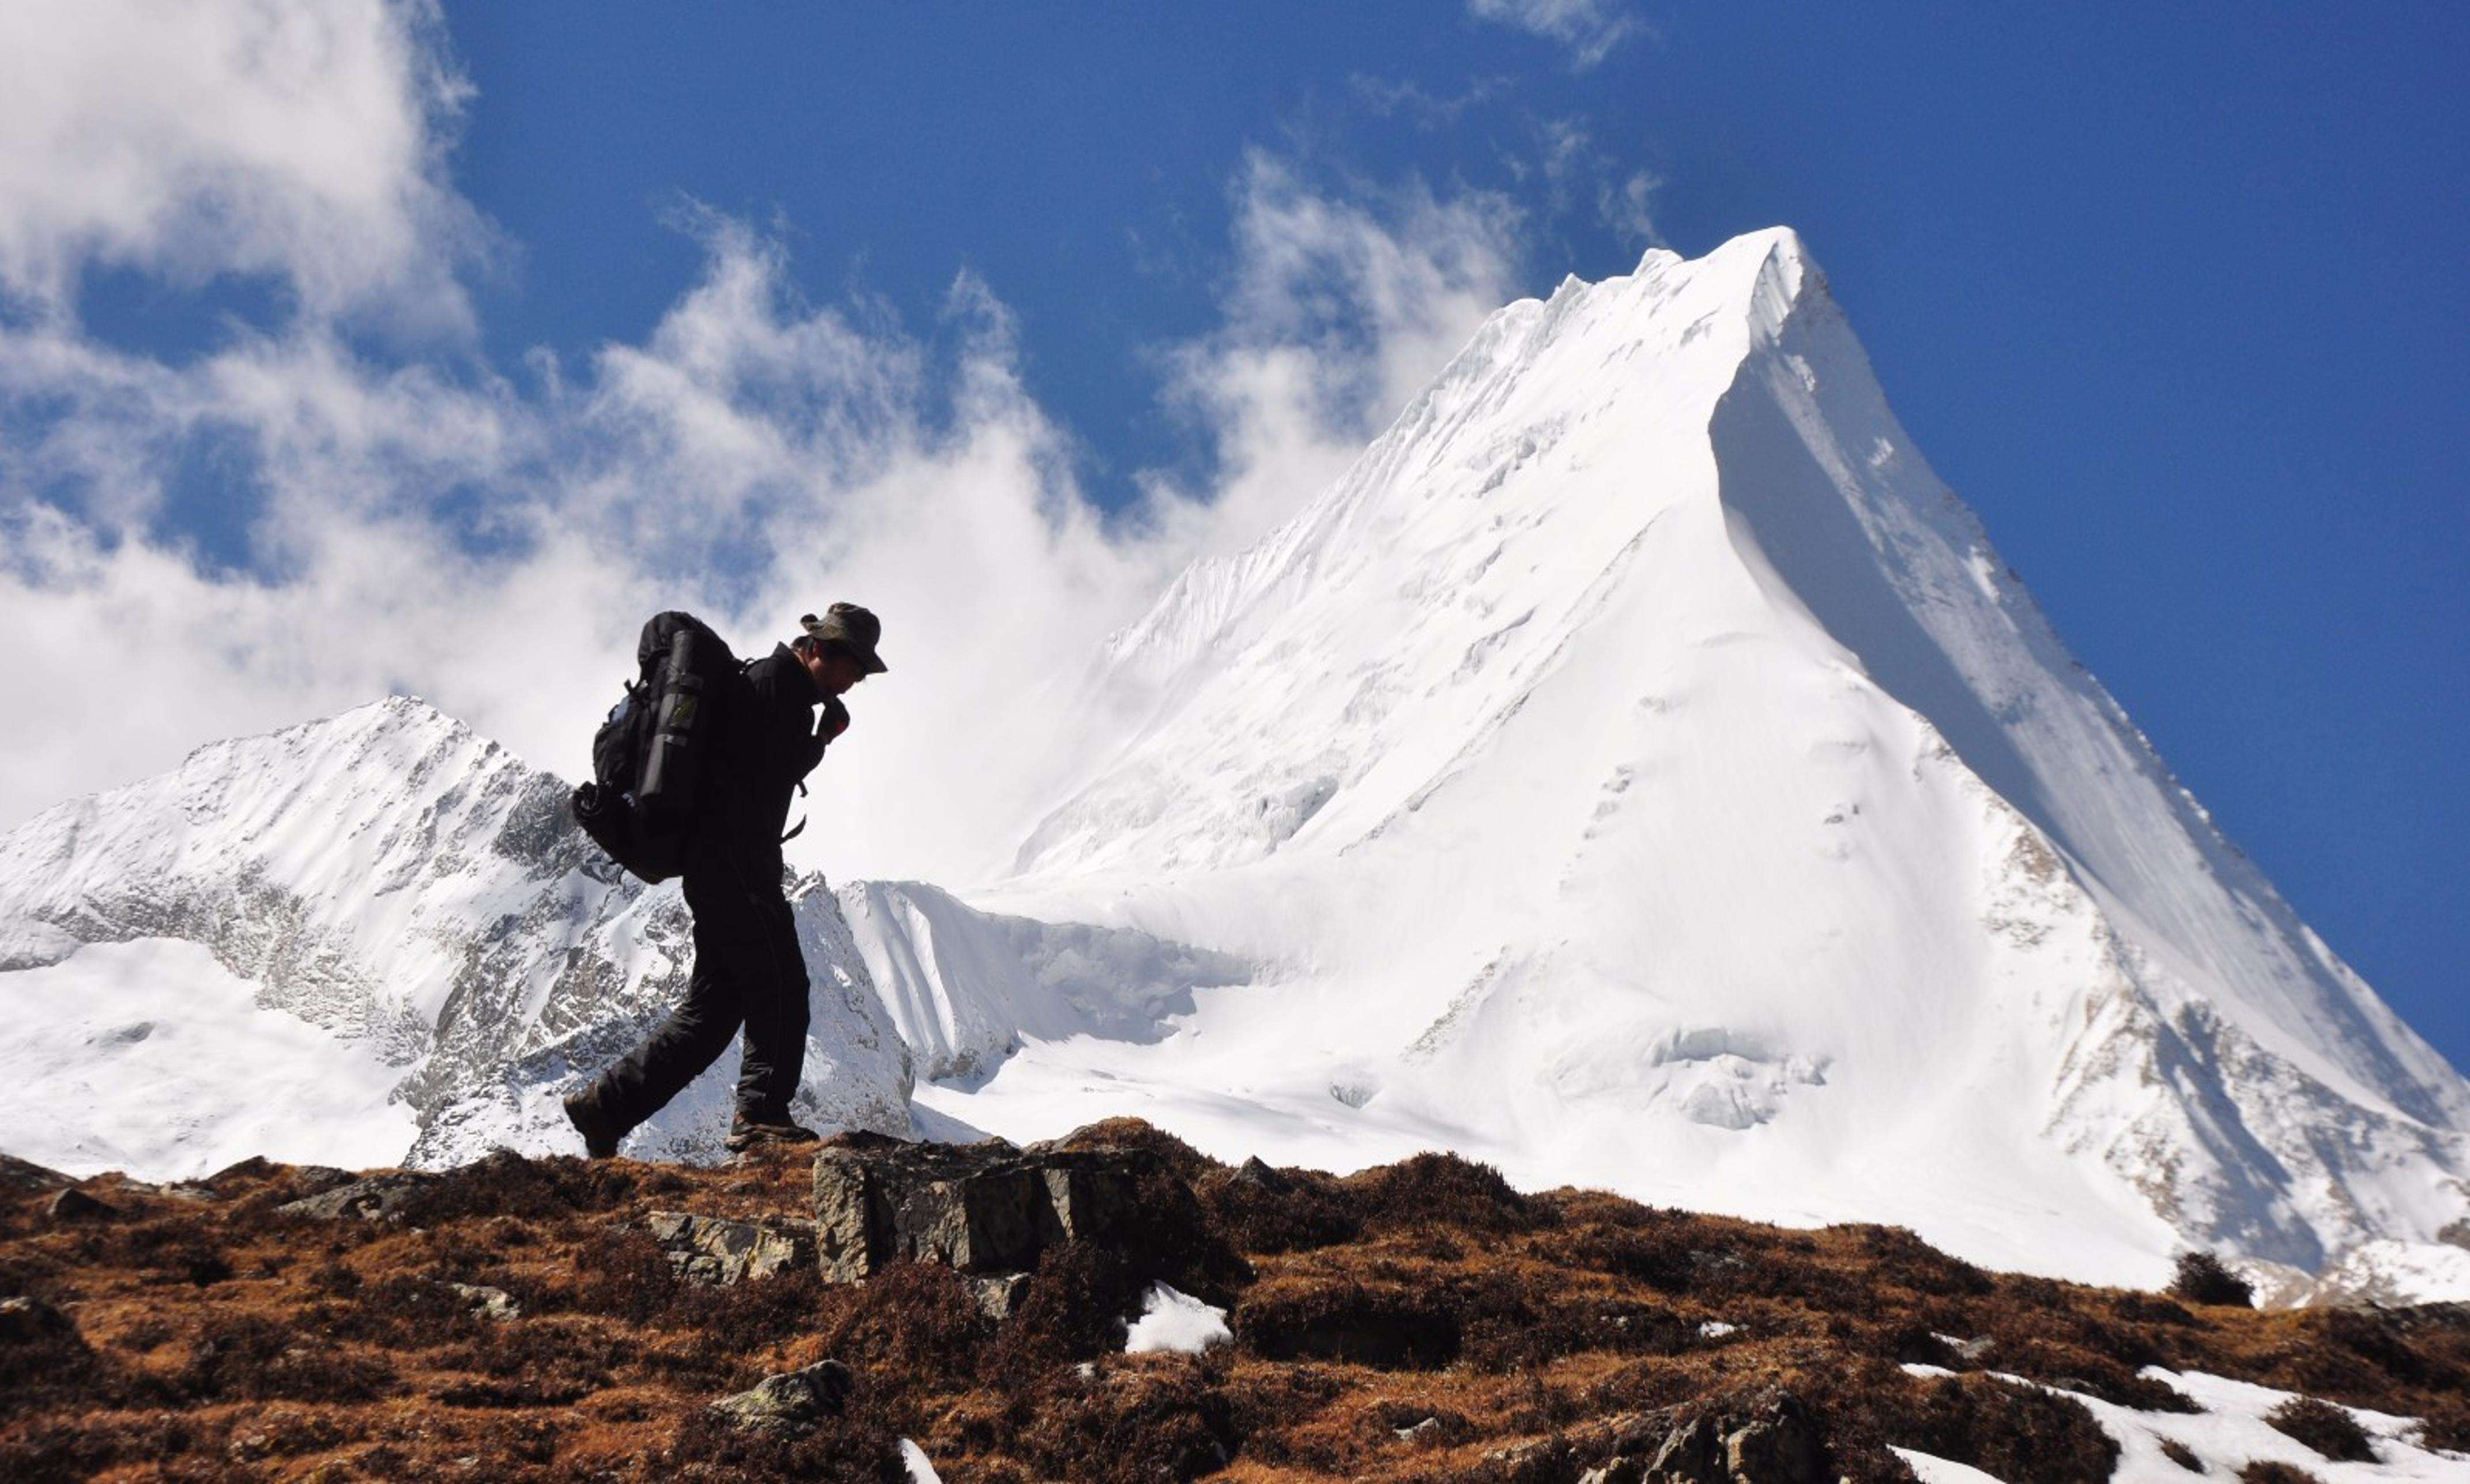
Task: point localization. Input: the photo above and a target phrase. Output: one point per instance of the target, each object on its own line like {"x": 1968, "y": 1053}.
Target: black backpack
{"x": 648, "y": 758}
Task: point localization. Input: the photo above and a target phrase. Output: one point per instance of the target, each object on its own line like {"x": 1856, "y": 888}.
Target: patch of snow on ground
{"x": 913, "y": 1459}
{"x": 1177, "y": 1321}
{"x": 152, "y": 1056}
{"x": 1932, "y": 1469}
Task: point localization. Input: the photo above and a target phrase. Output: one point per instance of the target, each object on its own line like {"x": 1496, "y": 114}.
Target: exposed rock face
{"x": 982, "y": 1208}
{"x": 716, "y": 1252}
{"x": 1772, "y": 1441}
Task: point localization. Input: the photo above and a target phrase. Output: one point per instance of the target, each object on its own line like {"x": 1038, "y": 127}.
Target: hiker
{"x": 764, "y": 738}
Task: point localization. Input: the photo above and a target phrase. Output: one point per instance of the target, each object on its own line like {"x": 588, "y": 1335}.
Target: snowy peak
{"x": 1640, "y": 740}
{"x": 1448, "y": 565}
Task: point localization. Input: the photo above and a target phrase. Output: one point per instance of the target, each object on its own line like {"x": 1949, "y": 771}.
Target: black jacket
{"x": 765, "y": 741}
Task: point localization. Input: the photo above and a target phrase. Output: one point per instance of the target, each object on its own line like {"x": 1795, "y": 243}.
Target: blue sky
{"x": 2170, "y": 294}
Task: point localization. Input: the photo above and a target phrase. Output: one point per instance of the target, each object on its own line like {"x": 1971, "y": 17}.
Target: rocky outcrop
{"x": 1769, "y": 1440}
{"x": 982, "y": 1208}
{"x": 383, "y": 1197}
{"x": 716, "y": 1252}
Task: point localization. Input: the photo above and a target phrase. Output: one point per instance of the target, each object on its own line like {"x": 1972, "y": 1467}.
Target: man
{"x": 766, "y": 739}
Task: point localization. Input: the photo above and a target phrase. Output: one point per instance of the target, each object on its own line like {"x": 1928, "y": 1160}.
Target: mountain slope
{"x": 411, "y": 890}
{"x": 1650, "y": 775}
{"x": 381, "y": 938}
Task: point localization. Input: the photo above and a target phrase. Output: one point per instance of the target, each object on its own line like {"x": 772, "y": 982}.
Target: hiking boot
{"x": 744, "y": 1135}
{"x": 601, "y": 1134}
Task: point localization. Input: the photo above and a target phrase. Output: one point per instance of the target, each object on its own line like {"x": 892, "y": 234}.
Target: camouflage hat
{"x": 852, "y": 628}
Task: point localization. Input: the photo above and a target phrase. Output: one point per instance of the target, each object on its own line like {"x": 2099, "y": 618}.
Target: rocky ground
{"x": 553, "y": 1319}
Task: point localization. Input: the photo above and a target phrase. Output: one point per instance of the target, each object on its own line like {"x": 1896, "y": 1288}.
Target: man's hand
{"x": 836, "y": 718}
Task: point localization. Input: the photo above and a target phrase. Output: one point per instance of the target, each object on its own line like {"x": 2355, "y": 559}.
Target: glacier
{"x": 1639, "y": 770}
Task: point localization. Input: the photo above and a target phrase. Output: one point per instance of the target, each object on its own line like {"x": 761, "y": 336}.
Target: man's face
{"x": 834, "y": 672}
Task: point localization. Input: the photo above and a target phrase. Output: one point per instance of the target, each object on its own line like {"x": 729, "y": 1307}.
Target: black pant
{"x": 747, "y": 971}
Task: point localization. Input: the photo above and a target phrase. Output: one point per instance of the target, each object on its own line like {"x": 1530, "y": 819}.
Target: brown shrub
{"x": 79, "y": 1444}
{"x": 846, "y": 1450}
{"x": 1133, "y": 1423}
{"x": 1902, "y": 1259}
{"x": 1380, "y": 1325}
{"x": 2182, "y": 1455}
{"x": 537, "y": 1362}
{"x": 398, "y": 1312}
{"x": 621, "y": 1273}
{"x": 2425, "y": 1347}
{"x": 1443, "y": 1189}
{"x": 1171, "y": 1153}
{"x": 503, "y": 1183}
{"x": 913, "y": 1324}
{"x": 48, "y": 1365}
{"x": 1303, "y": 1210}
{"x": 1659, "y": 1257}
{"x": 2274, "y": 1472}
{"x": 1277, "y": 1403}
{"x": 2330, "y": 1430}
{"x": 2022, "y": 1434}
{"x": 2146, "y": 1309}
{"x": 2201, "y": 1279}
{"x": 243, "y": 1357}
{"x": 2446, "y": 1424}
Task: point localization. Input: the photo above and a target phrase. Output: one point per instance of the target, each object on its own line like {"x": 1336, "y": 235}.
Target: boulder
{"x": 76, "y": 1205}
{"x": 792, "y": 1403}
{"x": 996, "y": 1295}
{"x": 488, "y": 1303}
{"x": 1259, "y": 1174}
{"x": 716, "y": 1252}
{"x": 377, "y": 1198}
{"x": 982, "y": 1208}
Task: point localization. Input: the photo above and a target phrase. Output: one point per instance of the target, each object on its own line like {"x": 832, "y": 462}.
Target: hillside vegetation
{"x": 516, "y": 1319}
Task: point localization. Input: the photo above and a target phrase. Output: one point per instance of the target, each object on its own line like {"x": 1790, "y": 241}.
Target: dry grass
{"x": 1418, "y": 1322}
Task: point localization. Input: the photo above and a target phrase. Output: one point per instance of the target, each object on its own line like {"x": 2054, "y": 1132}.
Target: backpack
{"x": 648, "y": 758}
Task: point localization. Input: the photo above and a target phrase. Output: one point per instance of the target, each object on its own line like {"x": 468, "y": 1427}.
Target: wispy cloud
{"x": 1589, "y": 28}
{"x": 491, "y": 537}
{"x": 1404, "y": 97}
{"x": 1628, "y": 207}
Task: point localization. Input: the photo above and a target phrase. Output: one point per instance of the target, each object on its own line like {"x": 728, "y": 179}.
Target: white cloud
{"x": 416, "y": 522}
{"x": 1589, "y": 28}
{"x": 193, "y": 139}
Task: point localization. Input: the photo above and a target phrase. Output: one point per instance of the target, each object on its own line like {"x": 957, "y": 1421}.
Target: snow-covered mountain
{"x": 1639, "y": 770}
{"x": 381, "y": 938}
{"x": 1651, "y": 775}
